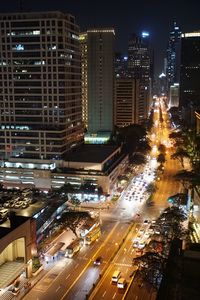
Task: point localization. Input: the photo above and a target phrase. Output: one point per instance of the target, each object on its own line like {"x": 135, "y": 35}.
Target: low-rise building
{"x": 97, "y": 164}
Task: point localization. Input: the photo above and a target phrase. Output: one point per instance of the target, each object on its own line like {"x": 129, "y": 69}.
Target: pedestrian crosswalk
{"x": 7, "y": 296}
{"x": 122, "y": 265}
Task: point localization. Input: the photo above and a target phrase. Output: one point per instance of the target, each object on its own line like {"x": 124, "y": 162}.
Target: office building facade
{"x": 190, "y": 70}
{"x": 140, "y": 66}
{"x": 99, "y": 80}
{"x": 173, "y": 56}
{"x": 84, "y": 78}
{"x": 40, "y": 99}
{"x": 121, "y": 66}
{"x": 126, "y": 101}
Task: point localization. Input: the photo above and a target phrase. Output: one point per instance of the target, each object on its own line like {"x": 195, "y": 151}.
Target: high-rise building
{"x": 140, "y": 66}
{"x": 84, "y": 78}
{"x": 40, "y": 84}
{"x": 173, "y": 56}
{"x": 190, "y": 69}
{"x": 99, "y": 80}
{"x": 126, "y": 101}
{"x": 174, "y": 95}
{"x": 121, "y": 66}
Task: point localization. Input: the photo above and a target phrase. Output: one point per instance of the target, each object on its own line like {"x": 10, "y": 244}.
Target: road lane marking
{"x": 67, "y": 276}
{"x": 58, "y": 288}
{"x": 114, "y": 295}
{"x": 89, "y": 262}
{"x": 103, "y": 294}
{"x": 76, "y": 266}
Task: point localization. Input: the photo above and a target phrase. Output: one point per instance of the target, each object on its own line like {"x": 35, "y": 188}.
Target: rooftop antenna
{"x": 21, "y": 5}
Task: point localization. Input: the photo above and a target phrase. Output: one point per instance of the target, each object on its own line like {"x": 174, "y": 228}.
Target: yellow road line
{"x": 90, "y": 261}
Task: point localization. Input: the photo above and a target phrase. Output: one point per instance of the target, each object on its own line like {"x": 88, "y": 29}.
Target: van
{"x": 116, "y": 276}
{"x": 121, "y": 284}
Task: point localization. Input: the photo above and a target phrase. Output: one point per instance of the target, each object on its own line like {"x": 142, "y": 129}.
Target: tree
{"x": 75, "y": 201}
{"x": 72, "y": 220}
{"x": 138, "y": 159}
{"x": 161, "y": 158}
{"x": 161, "y": 148}
{"x": 67, "y": 188}
{"x": 151, "y": 267}
{"x": 170, "y": 222}
{"x": 176, "y": 135}
{"x": 151, "y": 188}
{"x": 144, "y": 146}
{"x": 180, "y": 154}
{"x": 130, "y": 136}
{"x": 35, "y": 263}
{"x": 189, "y": 179}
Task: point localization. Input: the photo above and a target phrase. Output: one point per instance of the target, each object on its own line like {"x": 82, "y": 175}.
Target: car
{"x": 141, "y": 245}
{"x": 121, "y": 284}
{"x": 98, "y": 261}
{"x": 116, "y": 276}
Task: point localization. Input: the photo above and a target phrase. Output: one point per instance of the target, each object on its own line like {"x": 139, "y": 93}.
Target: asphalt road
{"x": 73, "y": 278}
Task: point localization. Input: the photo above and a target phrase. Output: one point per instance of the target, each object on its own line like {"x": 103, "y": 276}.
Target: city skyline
{"x": 154, "y": 17}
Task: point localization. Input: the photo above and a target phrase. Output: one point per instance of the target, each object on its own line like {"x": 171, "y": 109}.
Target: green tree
{"x": 35, "y": 263}
{"x": 161, "y": 158}
{"x": 189, "y": 179}
{"x": 150, "y": 267}
{"x": 67, "y": 188}
{"x": 75, "y": 201}
{"x": 72, "y": 220}
{"x": 162, "y": 148}
{"x": 180, "y": 154}
{"x": 151, "y": 188}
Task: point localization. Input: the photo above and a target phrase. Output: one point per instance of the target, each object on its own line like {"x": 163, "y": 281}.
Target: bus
{"x": 73, "y": 248}
{"x": 93, "y": 235}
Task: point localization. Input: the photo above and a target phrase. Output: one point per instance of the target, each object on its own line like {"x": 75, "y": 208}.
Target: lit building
{"x": 173, "y": 56}
{"x": 174, "y": 95}
{"x": 40, "y": 99}
{"x": 197, "y": 114}
{"x": 100, "y": 165}
{"x": 121, "y": 66}
{"x": 99, "y": 80}
{"x": 126, "y": 101}
{"x": 162, "y": 84}
{"x": 17, "y": 248}
{"x": 140, "y": 66}
{"x": 190, "y": 70}
{"x": 84, "y": 78}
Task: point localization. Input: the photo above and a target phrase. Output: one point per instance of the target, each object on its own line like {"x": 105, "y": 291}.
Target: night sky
{"x": 126, "y": 16}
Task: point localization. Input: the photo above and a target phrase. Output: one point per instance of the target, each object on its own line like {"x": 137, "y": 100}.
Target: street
{"x": 74, "y": 278}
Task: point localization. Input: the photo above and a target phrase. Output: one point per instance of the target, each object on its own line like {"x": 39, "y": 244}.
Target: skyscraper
{"x": 126, "y": 101}
{"x": 100, "y": 80}
{"x": 84, "y": 77}
{"x": 40, "y": 99}
{"x": 189, "y": 75}
{"x": 173, "y": 56}
{"x": 121, "y": 66}
{"x": 140, "y": 66}
{"x": 190, "y": 69}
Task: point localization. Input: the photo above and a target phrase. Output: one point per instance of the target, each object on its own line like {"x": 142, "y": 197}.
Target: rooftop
{"x": 91, "y": 153}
